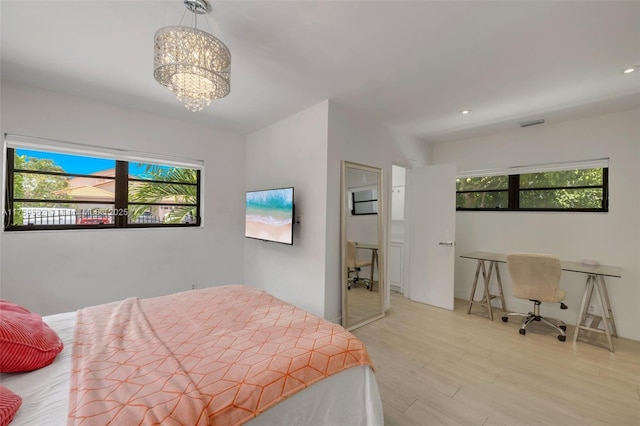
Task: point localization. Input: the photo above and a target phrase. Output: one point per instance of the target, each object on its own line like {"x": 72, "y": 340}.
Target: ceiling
{"x": 410, "y": 65}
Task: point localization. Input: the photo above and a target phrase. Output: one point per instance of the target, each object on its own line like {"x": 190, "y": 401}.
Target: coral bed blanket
{"x": 219, "y": 355}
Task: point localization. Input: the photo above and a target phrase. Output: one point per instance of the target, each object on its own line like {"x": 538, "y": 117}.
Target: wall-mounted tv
{"x": 269, "y": 215}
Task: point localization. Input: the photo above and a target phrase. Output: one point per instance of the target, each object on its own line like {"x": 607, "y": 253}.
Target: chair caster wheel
{"x": 563, "y": 327}
{"x": 562, "y": 338}
{"x": 505, "y": 319}
{"x": 522, "y": 331}
{"x": 348, "y": 287}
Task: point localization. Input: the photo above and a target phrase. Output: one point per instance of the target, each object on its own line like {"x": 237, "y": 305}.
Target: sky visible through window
{"x": 76, "y": 164}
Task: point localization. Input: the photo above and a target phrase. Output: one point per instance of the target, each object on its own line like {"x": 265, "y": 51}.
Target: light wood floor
{"x": 362, "y": 303}
{"x": 440, "y": 367}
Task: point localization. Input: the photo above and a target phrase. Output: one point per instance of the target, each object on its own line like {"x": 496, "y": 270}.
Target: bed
{"x": 339, "y": 388}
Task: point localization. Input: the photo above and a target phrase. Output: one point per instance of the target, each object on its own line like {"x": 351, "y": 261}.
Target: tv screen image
{"x": 269, "y": 215}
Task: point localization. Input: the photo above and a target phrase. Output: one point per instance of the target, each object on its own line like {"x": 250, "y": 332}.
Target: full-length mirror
{"x": 362, "y": 244}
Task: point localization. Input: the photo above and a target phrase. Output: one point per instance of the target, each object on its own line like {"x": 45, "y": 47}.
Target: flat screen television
{"x": 269, "y": 215}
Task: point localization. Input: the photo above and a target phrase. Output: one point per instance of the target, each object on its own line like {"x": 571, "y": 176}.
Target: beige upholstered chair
{"x": 537, "y": 277}
{"x": 354, "y": 265}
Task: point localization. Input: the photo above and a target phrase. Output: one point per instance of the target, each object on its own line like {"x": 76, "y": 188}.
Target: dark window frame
{"x": 354, "y": 211}
{"x": 121, "y": 198}
{"x": 513, "y": 193}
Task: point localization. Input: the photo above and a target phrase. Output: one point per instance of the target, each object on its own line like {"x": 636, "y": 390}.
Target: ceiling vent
{"x": 531, "y": 123}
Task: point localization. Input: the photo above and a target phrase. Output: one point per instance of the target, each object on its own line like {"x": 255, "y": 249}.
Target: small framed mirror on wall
{"x": 361, "y": 244}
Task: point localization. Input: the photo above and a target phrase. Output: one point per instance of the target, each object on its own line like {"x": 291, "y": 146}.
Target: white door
{"x": 431, "y": 234}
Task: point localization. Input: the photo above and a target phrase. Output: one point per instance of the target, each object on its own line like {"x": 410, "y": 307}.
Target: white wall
{"x": 56, "y": 271}
{"x": 611, "y": 238}
{"x": 292, "y": 152}
{"x": 305, "y": 151}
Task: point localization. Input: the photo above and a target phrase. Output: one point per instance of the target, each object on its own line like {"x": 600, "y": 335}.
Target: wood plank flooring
{"x": 362, "y": 303}
{"x": 440, "y": 367}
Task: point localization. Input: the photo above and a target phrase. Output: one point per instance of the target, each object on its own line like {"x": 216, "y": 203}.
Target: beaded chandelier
{"x": 192, "y": 63}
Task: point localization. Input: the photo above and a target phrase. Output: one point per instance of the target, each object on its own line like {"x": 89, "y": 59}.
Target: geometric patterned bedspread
{"x": 219, "y": 355}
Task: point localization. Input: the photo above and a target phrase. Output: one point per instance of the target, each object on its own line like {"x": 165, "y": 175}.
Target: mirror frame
{"x": 344, "y": 206}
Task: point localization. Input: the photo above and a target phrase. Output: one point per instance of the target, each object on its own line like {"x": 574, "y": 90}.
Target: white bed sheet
{"x": 348, "y": 398}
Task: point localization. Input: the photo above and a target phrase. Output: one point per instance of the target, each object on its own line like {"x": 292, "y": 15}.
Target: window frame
{"x": 368, "y": 201}
{"x": 514, "y": 191}
{"x": 121, "y": 201}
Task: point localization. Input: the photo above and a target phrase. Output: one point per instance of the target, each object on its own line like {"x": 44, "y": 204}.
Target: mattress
{"x": 350, "y": 397}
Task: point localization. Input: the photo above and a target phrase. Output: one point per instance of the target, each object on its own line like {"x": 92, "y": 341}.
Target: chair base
{"x": 355, "y": 279}
{"x": 353, "y": 282}
{"x": 558, "y": 325}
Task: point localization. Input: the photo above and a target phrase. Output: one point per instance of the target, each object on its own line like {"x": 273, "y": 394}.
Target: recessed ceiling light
{"x": 465, "y": 111}
{"x": 632, "y": 69}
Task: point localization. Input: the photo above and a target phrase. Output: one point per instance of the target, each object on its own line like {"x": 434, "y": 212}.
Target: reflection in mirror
{"x": 364, "y": 200}
{"x": 362, "y": 243}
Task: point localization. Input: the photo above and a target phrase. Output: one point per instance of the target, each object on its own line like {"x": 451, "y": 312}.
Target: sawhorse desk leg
{"x": 487, "y": 296}
{"x": 596, "y": 282}
{"x": 374, "y": 264}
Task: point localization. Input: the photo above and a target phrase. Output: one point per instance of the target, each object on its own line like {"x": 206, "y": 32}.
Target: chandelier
{"x": 192, "y": 63}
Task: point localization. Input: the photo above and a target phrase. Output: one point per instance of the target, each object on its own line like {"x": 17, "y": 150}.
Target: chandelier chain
{"x": 183, "y": 15}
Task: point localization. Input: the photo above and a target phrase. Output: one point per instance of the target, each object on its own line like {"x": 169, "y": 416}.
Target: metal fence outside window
{"x": 63, "y": 216}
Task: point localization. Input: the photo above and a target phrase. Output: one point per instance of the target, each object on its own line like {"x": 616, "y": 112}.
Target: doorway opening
{"x": 397, "y": 231}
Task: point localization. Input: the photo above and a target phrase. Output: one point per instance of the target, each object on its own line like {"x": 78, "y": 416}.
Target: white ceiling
{"x": 412, "y": 65}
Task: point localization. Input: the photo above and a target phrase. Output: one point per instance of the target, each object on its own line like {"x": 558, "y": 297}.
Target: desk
{"x": 493, "y": 259}
{"x": 595, "y": 281}
{"x": 374, "y": 259}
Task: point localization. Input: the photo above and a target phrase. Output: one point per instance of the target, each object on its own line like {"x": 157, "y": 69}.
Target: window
{"x": 364, "y": 201}
{"x": 53, "y": 189}
{"x": 556, "y": 188}
{"x": 484, "y": 192}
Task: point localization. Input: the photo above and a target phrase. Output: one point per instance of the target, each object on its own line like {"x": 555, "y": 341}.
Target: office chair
{"x": 536, "y": 277}
{"x": 354, "y": 265}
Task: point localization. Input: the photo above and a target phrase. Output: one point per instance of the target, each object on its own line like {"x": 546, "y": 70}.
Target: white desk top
{"x": 367, "y": 246}
{"x": 567, "y": 265}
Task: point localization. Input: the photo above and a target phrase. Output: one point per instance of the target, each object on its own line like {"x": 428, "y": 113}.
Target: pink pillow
{"x": 26, "y": 342}
{"x": 9, "y": 404}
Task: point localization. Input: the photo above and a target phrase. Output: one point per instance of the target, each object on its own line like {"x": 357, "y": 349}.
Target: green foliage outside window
{"x": 581, "y": 189}
{"x": 486, "y": 192}
{"x": 574, "y": 194}
{"x": 37, "y": 186}
{"x": 166, "y": 185}
{"x": 563, "y": 178}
